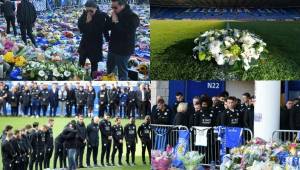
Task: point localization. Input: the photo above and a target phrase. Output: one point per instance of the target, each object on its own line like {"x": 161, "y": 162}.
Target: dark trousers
{"x": 130, "y": 148}
{"x": 33, "y": 159}
{"x": 11, "y": 20}
{"x": 35, "y": 109}
{"x": 79, "y": 155}
{"x": 53, "y": 110}
{"x": 80, "y": 110}
{"x": 40, "y": 158}
{"x": 94, "y": 65}
{"x": 117, "y": 147}
{"x": 26, "y": 109}
{"x": 69, "y": 106}
{"x": 7, "y": 165}
{"x": 14, "y": 110}
{"x": 91, "y": 149}
{"x": 131, "y": 110}
{"x": 146, "y": 145}
{"x": 102, "y": 109}
{"x": 44, "y": 109}
{"x": 59, "y": 154}
{"x": 27, "y": 30}
{"x": 48, "y": 155}
{"x": 3, "y": 109}
{"x": 112, "y": 109}
{"x": 121, "y": 62}
{"x": 106, "y": 145}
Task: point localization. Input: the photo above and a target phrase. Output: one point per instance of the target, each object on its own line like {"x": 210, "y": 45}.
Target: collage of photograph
{"x": 150, "y": 84}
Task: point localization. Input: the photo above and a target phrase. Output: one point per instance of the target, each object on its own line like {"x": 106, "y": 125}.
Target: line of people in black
{"x": 32, "y": 100}
{"x": 33, "y": 146}
{"x": 290, "y": 115}
{"x": 206, "y": 111}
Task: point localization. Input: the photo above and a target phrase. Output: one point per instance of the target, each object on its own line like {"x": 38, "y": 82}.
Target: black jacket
{"x": 69, "y": 136}
{"x": 181, "y": 119}
{"x": 123, "y": 33}
{"x": 8, "y": 9}
{"x": 13, "y": 99}
{"x": 26, "y": 13}
{"x": 105, "y": 129}
{"x": 91, "y": 95}
{"x": 8, "y": 152}
{"x": 92, "y": 131}
{"x": 81, "y": 133}
{"x": 92, "y": 35}
{"x": 144, "y": 131}
{"x": 232, "y": 118}
{"x": 295, "y": 117}
{"x": 130, "y": 133}
{"x": 117, "y": 133}
{"x": 49, "y": 138}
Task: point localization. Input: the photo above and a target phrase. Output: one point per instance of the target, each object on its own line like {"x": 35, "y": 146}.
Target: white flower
{"x": 214, "y": 47}
{"x": 41, "y": 73}
{"x": 247, "y": 39}
{"x": 55, "y": 73}
{"x": 260, "y": 49}
{"x": 246, "y": 67}
{"x": 67, "y": 73}
{"x": 196, "y": 40}
{"x": 211, "y": 39}
{"x": 227, "y": 44}
{"x": 220, "y": 59}
{"x": 236, "y": 33}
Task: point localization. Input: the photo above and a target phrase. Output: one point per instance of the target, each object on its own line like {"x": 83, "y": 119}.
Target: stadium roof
{"x": 227, "y": 3}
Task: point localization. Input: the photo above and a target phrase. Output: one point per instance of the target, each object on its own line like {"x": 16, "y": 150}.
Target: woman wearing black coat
{"x": 92, "y": 25}
{"x": 181, "y": 117}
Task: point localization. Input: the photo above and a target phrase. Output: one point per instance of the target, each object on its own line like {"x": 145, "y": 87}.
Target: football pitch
{"x": 172, "y": 42}
{"x": 59, "y": 123}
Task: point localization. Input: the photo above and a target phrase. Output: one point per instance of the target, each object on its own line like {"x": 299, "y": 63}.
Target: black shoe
{"x": 102, "y": 164}
{"x": 108, "y": 164}
{"x": 144, "y": 163}
{"x": 120, "y": 163}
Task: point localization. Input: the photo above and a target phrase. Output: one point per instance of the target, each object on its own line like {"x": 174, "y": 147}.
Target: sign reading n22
{"x": 213, "y": 85}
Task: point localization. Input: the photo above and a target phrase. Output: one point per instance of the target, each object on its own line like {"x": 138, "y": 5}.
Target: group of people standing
{"x": 222, "y": 110}
{"x": 34, "y": 145}
{"x": 118, "y": 29}
{"x": 67, "y": 100}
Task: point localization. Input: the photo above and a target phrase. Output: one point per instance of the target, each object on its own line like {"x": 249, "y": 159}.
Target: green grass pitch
{"x": 172, "y": 44}
{"x": 59, "y": 123}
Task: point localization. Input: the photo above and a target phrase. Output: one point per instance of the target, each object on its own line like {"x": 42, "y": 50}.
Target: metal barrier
{"x": 285, "y": 135}
{"x": 168, "y": 134}
{"x": 212, "y": 150}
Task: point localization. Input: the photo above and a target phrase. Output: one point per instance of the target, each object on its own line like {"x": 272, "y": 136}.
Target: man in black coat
{"x": 8, "y": 9}
{"x": 130, "y": 133}
{"x": 103, "y": 100}
{"x": 70, "y": 143}
{"x": 93, "y": 25}
{"x": 13, "y": 99}
{"x": 8, "y": 152}
{"x": 123, "y": 25}
{"x": 92, "y": 131}
{"x": 81, "y": 141}
{"x": 106, "y": 138}
{"x": 49, "y": 145}
{"x": 26, "y": 16}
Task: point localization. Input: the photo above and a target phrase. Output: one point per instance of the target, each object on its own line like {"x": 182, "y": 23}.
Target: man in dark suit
{"x": 143, "y": 100}
{"x": 53, "y": 97}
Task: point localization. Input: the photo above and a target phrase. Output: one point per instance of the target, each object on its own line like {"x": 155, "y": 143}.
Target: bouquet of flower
{"x": 161, "y": 160}
{"x": 238, "y": 48}
{"x": 52, "y": 71}
{"x": 192, "y": 160}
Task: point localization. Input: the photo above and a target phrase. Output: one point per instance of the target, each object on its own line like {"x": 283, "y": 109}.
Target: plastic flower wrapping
{"x": 58, "y": 38}
{"x": 240, "y": 49}
{"x": 161, "y": 160}
{"x": 191, "y": 160}
{"x": 261, "y": 155}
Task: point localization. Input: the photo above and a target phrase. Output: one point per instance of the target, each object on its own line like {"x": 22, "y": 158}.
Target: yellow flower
{"x": 20, "y": 61}
{"x": 9, "y": 57}
{"x": 110, "y": 77}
